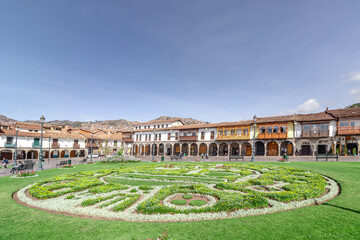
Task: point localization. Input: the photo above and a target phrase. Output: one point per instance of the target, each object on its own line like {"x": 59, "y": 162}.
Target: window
{"x": 344, "y": 123}
{"x": 262, "y": 130}
{"x": 167, "y": 125}
{"x": 232, "y": 132}
{"x": 212, "y": 135}
{"x": 159, "y": 136}
{"x": 149, "y": 127}
{"x": 238, "y": 132}
{"x": 162, "y": 126}
{"x": 202, "y": 135}
{"x": 226, "y": 133}
{"x": 193, "y": 134}
{"x": 176, "y": 136}
{"x": 146, "y": 138}
{"x": 76, "y": 141}
{"x": 283, "y": 129}
{"x": 158, "y": 126}
{"x": 220, "y": 133}
{"x": 269, "y": 130}
{"x": 154, "y": 126}
{"x": 307, "y": 128}
{"x": 324, "y": 127}
{"x": 276, "y": 129}
{"x": 36, "y": 141}
{"x": 169, "y": 135}
{"x": 245, "y": 131}
{"x": 314, "y": 128}
{"x": 9, "y": 140}
{"x": 185, "y": 134}
{"x": 137, "y": 137}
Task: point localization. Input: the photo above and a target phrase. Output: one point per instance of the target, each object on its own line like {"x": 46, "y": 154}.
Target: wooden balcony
{"x": 233, "y": 137}
{"x": 188, "y": 138}
{"x": 94, "y": 145}
{"x": 279, "y": 135}
{"x": 315, "y": 133}
{"x": 128, "y": 140}
{"x": 348, "y": 130}
{"x": 76, "y": 146}
{"x": 55, "y": 145}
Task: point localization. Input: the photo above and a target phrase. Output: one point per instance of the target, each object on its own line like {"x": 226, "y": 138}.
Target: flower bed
{"x": 203, "y": 192}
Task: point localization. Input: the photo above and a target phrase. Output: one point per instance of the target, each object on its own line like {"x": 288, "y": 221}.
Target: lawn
{"x": 336, "y": 219}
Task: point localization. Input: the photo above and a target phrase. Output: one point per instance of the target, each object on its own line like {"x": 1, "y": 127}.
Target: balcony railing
{"x": 272, "y": 135}
{"x": 128, "y": 140}
{"x": 315, "y": 133}
{"x": 349, "y": 130}
{"x": 36, "y": 145}
{"x": 76, "y": 146}
{"x": 188, "y": 138}
{"x": 88, "y": 145}
{"x": 55, "y": 145}
{"x": 232, "y": 137}
{"x": 9, "y": 145}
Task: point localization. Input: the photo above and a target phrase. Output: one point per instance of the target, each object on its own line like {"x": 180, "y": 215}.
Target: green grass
{"x": 187, "y": 196}
{"x": 197, "y": 203}
{"x": 179, "y": 202}
{"x": 336, "y": 219}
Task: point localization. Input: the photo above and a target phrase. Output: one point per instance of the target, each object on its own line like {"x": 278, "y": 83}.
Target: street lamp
{"x": 15, "y": 155}
{"x": 91, "y": 147}
{"x": 153, "y": 157}
{"x": 40, "y": 167}
{"x": 253, "y": 148}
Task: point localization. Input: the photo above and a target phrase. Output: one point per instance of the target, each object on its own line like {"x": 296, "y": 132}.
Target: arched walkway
{"x": 223, "y": 149}
{"x": 168, "y": 149}
{"x": 185, "y": 149}
{"x": 32, "y": 155}
{"x": 142, "y": 150}
{"x": 154, "y": 150}
{"x": 246, "y": 149}
{"x": 82, "y": 153}
{"x": 161, "y": 149}
{"x": 213, "y": 149}
{"x": 202, "y": 149}
{"x": 234, "y": 149}
{"x": 193, "y": 149}
{"x": 73, "y": 153}
{"x": 259, "y": 148}
{"x": 147, "y": 150}
{"x": 272, "y": 148}
{"x": 286, "y": 147}
{"x": 8, "y": 154}
{"x": 351, "y": 146}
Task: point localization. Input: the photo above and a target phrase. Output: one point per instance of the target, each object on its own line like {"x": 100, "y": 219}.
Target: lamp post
{"x": 40, "y": 167}
{"x": 15, "y": 155}
{"x": 253, "y": 148}
{"x": 49, "y": 150}
{"x": 153, "y": 157}
{"x": 91, "y": 147}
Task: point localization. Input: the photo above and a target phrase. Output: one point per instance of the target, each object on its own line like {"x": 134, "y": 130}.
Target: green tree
{"x": 120, "y": 152}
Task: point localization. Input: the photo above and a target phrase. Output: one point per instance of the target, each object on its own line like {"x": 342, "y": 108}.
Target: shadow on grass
{"x": 347, "y": 209}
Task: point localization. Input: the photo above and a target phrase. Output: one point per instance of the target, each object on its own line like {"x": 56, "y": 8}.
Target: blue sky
{"x": 209, "y": 60}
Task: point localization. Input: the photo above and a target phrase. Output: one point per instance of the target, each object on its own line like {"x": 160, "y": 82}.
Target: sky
{"x": 209, "y": 60}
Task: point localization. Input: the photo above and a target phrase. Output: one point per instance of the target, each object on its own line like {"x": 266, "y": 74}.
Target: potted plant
{"x": 354, "y": 151}
{"x": 345, "y": 151}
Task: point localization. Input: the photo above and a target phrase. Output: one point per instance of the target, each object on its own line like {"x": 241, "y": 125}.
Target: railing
{"x": 55, "y": 145}
{"x": 76, "y": 145}
{"x": 232, "y": 137}
{"x": 315, "y": 133}
{"x": 188, "y": 138}
{"x": 349, "y": 130}
{"x": 88, "y": 145}
{"x": 9, "y": 145}
{"x": 128, "y": 139}
{"x": 36, "y": 145}
{"x": 272, "y": 135}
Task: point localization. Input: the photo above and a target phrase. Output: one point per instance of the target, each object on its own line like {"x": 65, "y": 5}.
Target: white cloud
{"x": 351, "y": 77}
{"x": 355, "y": 92}
{"x": 310, "y": 105}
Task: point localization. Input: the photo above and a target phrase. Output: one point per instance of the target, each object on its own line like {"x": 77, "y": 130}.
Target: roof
{"x": 345, "y": 112}
{"x": 58, "y": 135}
{"x": 321, "y": 116}
{"x": 159, "y": 121}
{"x": 284, "y": 118}
{"x": 12, "y": 132}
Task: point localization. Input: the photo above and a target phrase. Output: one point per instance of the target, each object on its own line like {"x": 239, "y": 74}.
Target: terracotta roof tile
{"x": 346, "y": 112}
{"x": 159, "y": 121}
{"x": 322, "y": 116}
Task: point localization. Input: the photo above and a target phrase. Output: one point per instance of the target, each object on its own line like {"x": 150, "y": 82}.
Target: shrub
{"x": 179, "y": 202}
{"x": 187, "y": 196}
{"x": 197, "y": 203}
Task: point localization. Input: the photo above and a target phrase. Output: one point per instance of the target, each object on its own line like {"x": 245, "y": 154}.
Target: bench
{"x": 236, "y": 157}
{"x": 176, "y": 158}
{"x": 62, "y": 163}
{"x": 26, "y": 166}
{"x": 327, "y": 156}
{"x": 83, "y": 161}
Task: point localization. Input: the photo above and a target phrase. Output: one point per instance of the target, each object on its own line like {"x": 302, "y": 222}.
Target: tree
{"x": 120, "y": 152}
{"x": 106, "y": 151}
{"x": 355, "y": 105}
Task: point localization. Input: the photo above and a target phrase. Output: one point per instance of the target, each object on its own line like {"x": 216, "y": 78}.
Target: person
{"x": 5, "y": 162}
{"x": 17, "y": 167}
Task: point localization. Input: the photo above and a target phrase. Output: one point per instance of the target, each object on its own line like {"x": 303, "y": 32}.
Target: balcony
{"x": 36, "y": 145}
{"x": 315, "y": 133}
{"x": 349, "y": 130}
{"x": 128, "y": 140}
{"x": 188, "y": 138}
{"x": 76, "y": 146}
{"x": 94, "y": 145}
{"x": 55, "y": 145}
{"x": 233, "y": 137}
{"x": 280, "y": 135}
{"x": 9, "y": 145}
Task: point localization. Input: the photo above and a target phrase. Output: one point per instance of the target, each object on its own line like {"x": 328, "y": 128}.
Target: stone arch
{"x": 185, "y": 149}
{"x": 213, "y": 149}
{"x": 154, "y": 149}
{"x": 246, "y": 149}
{"x": 73, "y": 153}
{"x": 147, "y": 150}
{"x": 223, "y": 149}
{"x": 168, "y": 149}
{"x": 259, "y": 148}
{"x": 287, "y": 147}
{"x": 21, "y": 155}
{"x": 161, "y": 149}
{"x": 82, "y": 153}
{"x": 351, "y": 145}
{"x": 202, "y": 149}
{"x": 142, "y": 149}
{"x": 176, "y": 149}
{"x": 193, "y": 149}
{"x": 304, "y": 147}
{"x": 8, "y": 154}
{"x": 32, "y": 154}
{"x": 234, "y": 148}
{"x": 272, "y": 148}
